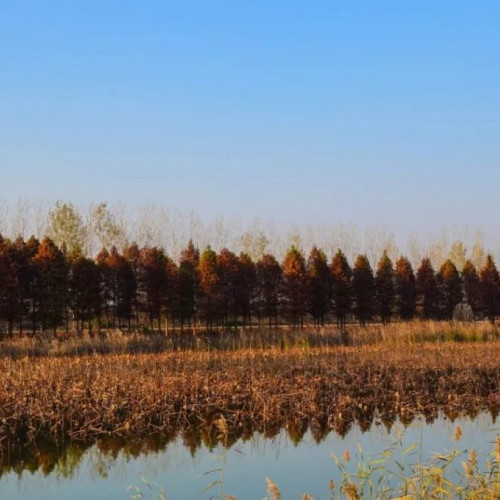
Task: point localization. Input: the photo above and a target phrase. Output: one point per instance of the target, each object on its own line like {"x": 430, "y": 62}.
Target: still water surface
{"x": 296, "y": 468}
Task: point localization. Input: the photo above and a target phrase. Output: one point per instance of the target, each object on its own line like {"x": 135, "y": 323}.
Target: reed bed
{"x": 92, "y": 397}
{"x": 447, "y": 475}
{"x": 119, "y": 342}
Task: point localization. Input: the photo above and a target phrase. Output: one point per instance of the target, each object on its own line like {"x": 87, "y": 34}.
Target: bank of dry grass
{"x": 117, "y": 342}
{"x": 324, "y": 388}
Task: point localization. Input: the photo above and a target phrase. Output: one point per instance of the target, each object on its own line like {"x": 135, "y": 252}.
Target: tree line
{"x": 44, "y": 287}
{"x": 96, "y": 225}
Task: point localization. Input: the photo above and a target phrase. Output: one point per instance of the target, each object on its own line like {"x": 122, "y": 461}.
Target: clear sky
{"x": 377, "y": 112}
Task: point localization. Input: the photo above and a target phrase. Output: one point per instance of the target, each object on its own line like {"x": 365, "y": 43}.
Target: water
{"x": 306, "y": 466}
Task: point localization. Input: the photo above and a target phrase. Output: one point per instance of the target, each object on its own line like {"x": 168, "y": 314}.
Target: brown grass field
{"x": 118, "y": 342}
{"x": 59, "y": 395}
{"x": 301, "y": 381}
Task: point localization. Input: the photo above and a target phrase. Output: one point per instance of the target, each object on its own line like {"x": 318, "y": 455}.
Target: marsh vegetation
{"x": 263, "y": 388}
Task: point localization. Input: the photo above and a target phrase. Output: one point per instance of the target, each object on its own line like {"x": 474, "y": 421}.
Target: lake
{"x": 107, "y": 471}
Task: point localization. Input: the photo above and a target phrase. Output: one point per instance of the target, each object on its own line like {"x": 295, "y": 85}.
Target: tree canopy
{"x": 45, "y": 287}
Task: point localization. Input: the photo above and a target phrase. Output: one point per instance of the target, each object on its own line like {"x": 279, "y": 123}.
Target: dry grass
{"x": 117, "y": 342}
{"x": 86, "y": 398}
{"x": 127, "y": 390}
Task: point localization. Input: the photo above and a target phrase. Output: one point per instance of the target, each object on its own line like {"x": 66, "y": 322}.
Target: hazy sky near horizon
{"x": 369, "y": 112}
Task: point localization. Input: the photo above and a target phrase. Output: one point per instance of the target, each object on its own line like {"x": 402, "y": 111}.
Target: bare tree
{"x": 20, "y": 218}
{"x": 104, "y": 228}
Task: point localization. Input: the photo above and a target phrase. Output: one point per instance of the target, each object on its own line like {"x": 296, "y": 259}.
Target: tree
{"x": 470, "y": 279}
{"x": 210, "y": 288}
{"x": 112, "y": 284}
{"x": 450, "y": 288}
{"x": 406, "y": 289}
{"x": 9, "y": 286}
{"x": 478, "y": 254}
{"x": 152, "y": 283}
{"x": 384, "y": 281}
{"x": 22, "y": 254}
{"x": 363, "y": 286}
{"x": 16, "y": 281}
{"x": 269, "y": 285}
{"x": 31, "y": 249}
{"x": 489, "y": 286}
{"x": 427, "y": 289}
{"x": 121, "y": 285}
{"x": 131, "y": 254}
{"x": 341, "y": 287}
{"x": 254, "y": 243}
{"x": 245, "y": 287}
{"x": 188, "y": 283}
{"x": 228, "y": 269}
{"x": 85, "y": 283}
{"x": 295, "y": 286}
{"x": 51, "y": 285}
{"x": 66, "y": 226}
{"x": 105, "y": 228}
{"x": 102, "y": 262}
{"x": 320, "y": 285}
{"x": 172, "y": 293}
{"x": 458, "y": 254}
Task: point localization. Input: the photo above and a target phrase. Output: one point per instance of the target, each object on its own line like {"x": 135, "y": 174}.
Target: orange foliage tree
{"x": 320, "y": 285}
{"x": 51, "y": 285}
{"x": 295, "y": 286}
{"x": 406, "y": 289}
{"x": 209, "y": 296}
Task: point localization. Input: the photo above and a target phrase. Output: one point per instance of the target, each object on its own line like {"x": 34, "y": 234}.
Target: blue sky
{"x": 382, "y": 112}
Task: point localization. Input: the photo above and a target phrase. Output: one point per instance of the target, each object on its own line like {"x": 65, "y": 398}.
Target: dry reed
{"x": 92, "y": 397}
{"x": 397, "y": 335}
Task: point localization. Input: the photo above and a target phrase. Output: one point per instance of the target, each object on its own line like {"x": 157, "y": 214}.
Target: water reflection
{"x": 296, "y": 457}
{"x": 61, "y": 459}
